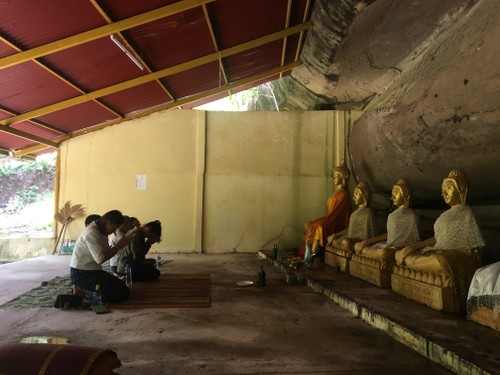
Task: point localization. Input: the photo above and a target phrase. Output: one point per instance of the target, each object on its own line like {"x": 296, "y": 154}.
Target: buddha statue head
{"x": 362, "y": 195}
{"x": 454, "y": 188}
{"x": 402, "y": 193}
{"x": 341, "y": 175}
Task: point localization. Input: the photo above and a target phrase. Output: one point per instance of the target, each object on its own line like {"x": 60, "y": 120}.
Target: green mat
{"x": 43, "y": 296}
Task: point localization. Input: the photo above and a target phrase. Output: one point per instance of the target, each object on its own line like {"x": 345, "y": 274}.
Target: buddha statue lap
{"x": 374, "y": 258}
{"x": 450, "y": 258}
{"x": 361, "y": 226}
{"x": 336, "y": 218}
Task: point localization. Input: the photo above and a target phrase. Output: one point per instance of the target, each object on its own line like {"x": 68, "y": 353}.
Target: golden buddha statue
{"x": 361, "y": 221}
{"x": 336, "y": 218}
{"x": 402, "y": 227}
{"x": 457, "y": 243}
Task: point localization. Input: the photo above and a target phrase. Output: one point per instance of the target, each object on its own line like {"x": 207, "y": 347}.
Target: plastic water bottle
{"x": 97, "y": 296}
{"x": 128, "y": 275}
{"x": 158, "y": 261}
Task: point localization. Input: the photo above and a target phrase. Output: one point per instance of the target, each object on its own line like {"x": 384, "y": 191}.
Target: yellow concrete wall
{"x": 218, "y": 181}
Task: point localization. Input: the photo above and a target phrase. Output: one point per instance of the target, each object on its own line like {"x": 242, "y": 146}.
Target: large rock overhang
{"x": 426, "y": 74}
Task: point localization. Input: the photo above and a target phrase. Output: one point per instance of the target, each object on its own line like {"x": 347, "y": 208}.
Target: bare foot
{"x": 77, "y": 291}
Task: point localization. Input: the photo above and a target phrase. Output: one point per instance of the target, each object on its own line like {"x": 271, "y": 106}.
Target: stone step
{"x": 461, "y": 345}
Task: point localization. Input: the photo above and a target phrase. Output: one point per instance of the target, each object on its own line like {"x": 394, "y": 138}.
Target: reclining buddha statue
{"x": 374, "y": 257}
{"x": 361, "y": 226}
{"x": 437, "y": 272}
{"x": 336, "y": 218}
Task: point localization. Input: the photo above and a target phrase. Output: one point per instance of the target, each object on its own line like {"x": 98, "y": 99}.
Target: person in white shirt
{"x": 91, "y": 218}
{"x": 91, "y": 251}
{"x": 115, "y": 237}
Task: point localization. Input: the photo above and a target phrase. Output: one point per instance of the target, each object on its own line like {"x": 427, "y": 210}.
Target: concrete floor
{"x": 279, "y": 329}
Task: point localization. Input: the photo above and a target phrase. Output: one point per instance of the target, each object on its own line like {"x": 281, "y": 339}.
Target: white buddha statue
{"x": 402, "y": 227}
{"x": 456, "y": 246}
{"x": 361, "y": 221}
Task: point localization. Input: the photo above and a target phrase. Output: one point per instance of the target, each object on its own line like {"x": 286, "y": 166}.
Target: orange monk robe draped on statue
{"x": 336, "y": 219}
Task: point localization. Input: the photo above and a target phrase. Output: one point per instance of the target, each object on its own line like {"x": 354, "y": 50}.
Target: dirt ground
{"x": 279, "y": 329}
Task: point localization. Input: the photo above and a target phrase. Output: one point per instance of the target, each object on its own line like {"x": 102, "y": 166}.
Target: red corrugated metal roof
{"x": 28, "y": 86}
{"x": 69, "y": 66}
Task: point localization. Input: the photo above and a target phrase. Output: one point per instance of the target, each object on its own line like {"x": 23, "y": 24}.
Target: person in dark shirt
{"x": 135, "y": 254}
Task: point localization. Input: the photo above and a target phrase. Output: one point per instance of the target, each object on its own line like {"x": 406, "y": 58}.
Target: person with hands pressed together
{"x": 113, "y": 239}
{"x": 91, "y": 251}
{"x": 135, "y": 254}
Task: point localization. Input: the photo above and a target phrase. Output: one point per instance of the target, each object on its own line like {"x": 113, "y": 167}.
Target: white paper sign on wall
{"x": 141, "y": 182}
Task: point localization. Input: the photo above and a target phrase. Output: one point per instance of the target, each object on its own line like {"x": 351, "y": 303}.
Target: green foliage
{"x": 19, "y": 167}
{"x": 244, "y": 100}
{"x": 28, "y": 195}
{"x": 22, "y": 183}
{"x": 7, "y": 172}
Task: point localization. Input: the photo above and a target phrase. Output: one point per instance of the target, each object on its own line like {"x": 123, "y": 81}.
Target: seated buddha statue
{"x": 402, "y": 227}
{"x": 335, "y": 220}
{"x": 456, "y": 246}
{"x": 361, "y": 221}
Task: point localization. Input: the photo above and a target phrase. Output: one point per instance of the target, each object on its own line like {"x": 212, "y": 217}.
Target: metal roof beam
{"x": 287, "y": 23}
{"x": 233, "y": 85}
{"x": 301, "y": 35}
{"x": 156, "y": 75}
{"x": 128, "y": 46}
{"x": 227, "y": 87}
{"x": 31, "y": 137}
{"x": 43, "y": 66}
{"x": 193, "y": 98}
{"x": 29, "y": 150}
{"x": 100, "y": 32}
{"x": 222, "y": 70}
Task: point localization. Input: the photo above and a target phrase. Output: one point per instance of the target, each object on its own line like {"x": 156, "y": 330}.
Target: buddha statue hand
{"x": 347, "y": 244}
{"x": 359, "y": 246}
{"x": 403, "y": 253}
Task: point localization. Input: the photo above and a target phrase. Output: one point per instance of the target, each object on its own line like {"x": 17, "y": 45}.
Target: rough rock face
{"x": 426, "y": 74}
{"x": 442, "y": 112}
{"x": 309, "y": 84}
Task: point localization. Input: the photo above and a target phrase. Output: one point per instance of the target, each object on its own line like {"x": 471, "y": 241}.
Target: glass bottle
{"x": 262, "y": 276}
